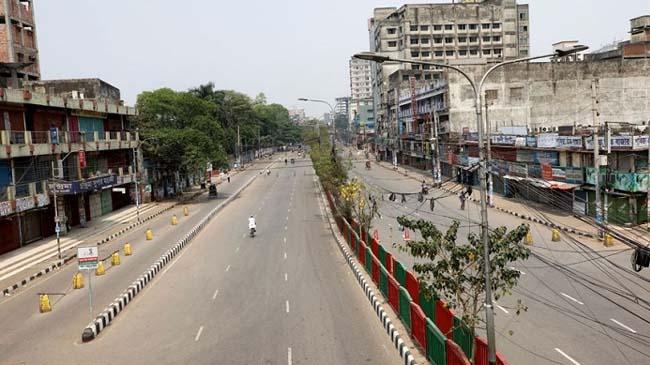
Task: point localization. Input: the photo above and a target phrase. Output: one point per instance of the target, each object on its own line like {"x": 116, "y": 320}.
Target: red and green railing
{"x": 430, "y": 322}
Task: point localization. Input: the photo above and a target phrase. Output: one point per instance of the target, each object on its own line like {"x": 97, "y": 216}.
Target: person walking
{"x": 462, "y": 198}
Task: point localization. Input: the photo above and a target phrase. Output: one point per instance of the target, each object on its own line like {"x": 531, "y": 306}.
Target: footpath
{"x": 21, "y": 266}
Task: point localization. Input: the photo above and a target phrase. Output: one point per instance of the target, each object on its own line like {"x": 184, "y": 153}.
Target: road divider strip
{"x": 93, "y": 329}
{"x": 395, "y": 337}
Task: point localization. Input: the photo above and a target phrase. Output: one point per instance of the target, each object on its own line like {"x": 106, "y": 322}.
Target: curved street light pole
{"x": 489, "y": 309}
{"x": 333, "y": 116}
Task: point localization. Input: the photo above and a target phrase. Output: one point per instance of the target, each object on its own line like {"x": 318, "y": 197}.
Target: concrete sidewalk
{"x": 530, "y": 211}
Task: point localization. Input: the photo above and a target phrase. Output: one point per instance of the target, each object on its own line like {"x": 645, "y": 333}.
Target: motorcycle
{"x": 252, "y": 232}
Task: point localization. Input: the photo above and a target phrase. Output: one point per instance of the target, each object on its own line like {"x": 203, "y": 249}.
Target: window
{"x": 473, "y": 26}
{"x": 496, "y": 38}
{"x": 516, "y": 93}
{"x": 497, "y": 51}
{"x": 438, "y": 53}
{"x": 485, "y": 25}
{"x": 415, "y": 54}
{"x": 424, "y": 40}
{"x": 391, "y": 30}
{"x": 426, "y": 54}
{"x": 415, "y": 67}
{"x": 414, "y": 28}
{"x": 427, "y": 77}
{"x": 486, "y": 52}
{"x": 525, "y": 28}
{"x": 437, "y": 40}
{"x": 462, "y": 39}
{"x": 400, "y": 43}
{"x": 491, "y": 95}
{"x": 424, "y": 28}
{"x": 523, "y": 53}
{"x": 473, "y": 52}
{"x": 462, "y": 52}
{"x": 425, "y": 67}
{"x": 405, "y": 77}
{"x": 414, "y": 41}
{"x": 486, "y": 39}
{"x": 449, "y": 40}
{"x": 496, "y": 25}
{"x": 449, "y": 27}
{"x": 522, "y": 16}
{"x": 449, "y": 53}
{"x": 473, "y": 39}
{"x": 461, "y": 26}
{"x": 392, "y": 43}
{"x": 437, "y": 27}
{"x": 400, "y": 29}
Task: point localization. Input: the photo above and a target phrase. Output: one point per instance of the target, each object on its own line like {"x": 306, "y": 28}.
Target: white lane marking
{"x": 622, "y": 325}
{"x": 287, "y": 217}
{"x": 503, "y": 309}
{"x": 216, "y": 292}
{"x": 286, "y": 277}
{"x": 572, "y": 298}
{"x": 567, "y": 356}
{"x": 289, "y": 355}
{"x": 285, "y": 228}
{"x": 228, "y": 268}
{"x": 285, "y": 240}
{"x": 237, "y": 249}
{"x": 243, "y": 235}
{"x": 285, "y": 255}
{"x": 198, "y": 334}
{"x": 289, "y": 210}
{"x": 287, "y": 306}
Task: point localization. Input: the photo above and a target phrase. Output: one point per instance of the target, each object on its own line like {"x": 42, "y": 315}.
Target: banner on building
{"x": 505, "y": 139}
{"x": 82, "y": 159}
{"x": 631, "y": 182}
{"x": 517, "y": 170}
{"x": 75, "y": 187}
{"x": 547, "y": 171}
{"x": 640, "y": 142}
{"x": 525, "y": 156}
{"x": 569, "y": 142}
{"x": 547, "y": 140}
{"x": 574, "y": 175}
{"x": 531, "y": 141}
{"x": 547, "y": 157}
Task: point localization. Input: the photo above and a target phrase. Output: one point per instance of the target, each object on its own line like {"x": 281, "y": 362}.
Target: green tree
{"x": 454, "y": 272}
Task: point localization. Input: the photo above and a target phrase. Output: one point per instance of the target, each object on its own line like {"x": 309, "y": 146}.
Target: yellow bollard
{"x": 100, "y": 270}
{"x": 528, "y": 240}
{"x": 556, "y": 235}
{"x": 186, "y": 211}
{"x": 174, "y": 220}
{"x": 115, "y": 259}
{"x": 77, "y": 281}
{"x": 127, "y": 249}
{"x": 149, "y": 234}
{"x": 44, "y": 303}
{"x": 608, "y": 240}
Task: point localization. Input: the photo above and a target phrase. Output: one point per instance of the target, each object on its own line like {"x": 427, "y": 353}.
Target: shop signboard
{"x": 505, "y": 139}
{"x": 547, "y": 140}
{"x": 75, "y": 187}
{"x": 640, "y": 142}
{"x": 6, "y": 208}
{"x": 631, "y": 182}
{"x": 590, "y": 175}
{"x": 569, "y": 141}
{"x": 620, "y": 141}
{"x": 547, "y": 172}
{"x": 574, "y": 175}
{"x": 589, "y": 143}
{"x": 517, "y": 170}
{"x": 42, "y": 200}
{"x": 531, "y": 141}
{"x": 82, "y": 159}
{"x": 549, "y": 157}
{"x": 559, "y": 174}
{"x": 24, "y": 204}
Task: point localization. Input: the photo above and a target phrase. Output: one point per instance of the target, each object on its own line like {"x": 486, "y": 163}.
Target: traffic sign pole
{"x": 90, "y": 293}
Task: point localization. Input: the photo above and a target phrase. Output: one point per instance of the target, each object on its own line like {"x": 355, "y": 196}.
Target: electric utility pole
{"x": 596, "y": 116}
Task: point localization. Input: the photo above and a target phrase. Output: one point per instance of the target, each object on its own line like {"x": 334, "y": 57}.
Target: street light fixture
{"x": 135, "y": 175}
{"x": 380, "y": 58}
{"x": 333, "y": 115}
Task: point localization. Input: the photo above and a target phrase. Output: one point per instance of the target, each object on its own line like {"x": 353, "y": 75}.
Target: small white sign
{"x": 120, "y": 190}
{"x": 88, "y": 257}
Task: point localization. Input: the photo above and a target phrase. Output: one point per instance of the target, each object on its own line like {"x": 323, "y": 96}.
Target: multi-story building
{"x": 79, "y": 149}
{"x": 360, "y": 84}
{"x": 342, "y": 106}
{"x": 297, "y": 115}
{"x": 19, "y": 59}
{"x": 466, "y": 32}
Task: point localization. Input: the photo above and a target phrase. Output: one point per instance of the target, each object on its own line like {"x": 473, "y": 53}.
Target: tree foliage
{"x": 200, "y": 125}
{"x": 454, "y": 272}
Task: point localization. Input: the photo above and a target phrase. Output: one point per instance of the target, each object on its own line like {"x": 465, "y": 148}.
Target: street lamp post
{"x": 135, "y": 175}
{"x": 332, "y": 113}
{"x": 489, "y": 310}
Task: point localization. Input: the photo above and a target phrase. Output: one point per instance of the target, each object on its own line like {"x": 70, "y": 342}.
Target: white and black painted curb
{"x": 109, "y": 313}
{"x": 57, "y": 265}
{"x": 395, "y": 337}
{"x": 512, "y": 212}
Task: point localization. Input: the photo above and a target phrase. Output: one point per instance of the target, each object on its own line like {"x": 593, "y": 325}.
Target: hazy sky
{"x": 284, "y": 48}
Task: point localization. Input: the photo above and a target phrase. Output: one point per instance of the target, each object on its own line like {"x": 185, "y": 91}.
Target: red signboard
{"x": 82, "y": 159}
{"x": 547, "y": 171}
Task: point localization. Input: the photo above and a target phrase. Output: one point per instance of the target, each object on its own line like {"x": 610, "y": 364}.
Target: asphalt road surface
{"x": 285, "y": 296}
{"x": 581, "y": 308}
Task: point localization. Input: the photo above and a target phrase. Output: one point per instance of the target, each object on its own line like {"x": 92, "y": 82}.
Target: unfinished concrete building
{"x": 18, "y": 48}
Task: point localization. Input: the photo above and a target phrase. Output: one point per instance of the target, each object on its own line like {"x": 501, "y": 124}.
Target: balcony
{"x": 15, "y": 199}
{"x": 35, "y": 143}
{"x": 19, "y": 11}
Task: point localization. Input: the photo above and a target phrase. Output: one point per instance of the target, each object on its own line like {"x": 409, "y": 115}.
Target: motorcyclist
{"x": 251, "y": 223}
